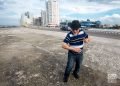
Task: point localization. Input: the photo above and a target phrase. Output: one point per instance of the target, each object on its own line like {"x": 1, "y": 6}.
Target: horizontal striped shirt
{"x": 76, "y": 40}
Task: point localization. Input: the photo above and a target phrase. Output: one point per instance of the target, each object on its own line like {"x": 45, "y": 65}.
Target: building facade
{"x": 90, "y": 24}
{"x": 43, "y": 18}
{"x": 52, "y": 8}
{"x": 37, "y": 21}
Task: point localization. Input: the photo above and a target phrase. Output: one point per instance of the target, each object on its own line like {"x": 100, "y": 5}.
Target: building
{"x": 43, "y": 18}
{"x": 26, "y": 19}
{"x": 89, "y": 24}
{"x": 52, "y": 8}
{"x": 37, "y": 21}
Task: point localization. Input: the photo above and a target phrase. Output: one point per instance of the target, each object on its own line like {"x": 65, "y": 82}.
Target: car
{"x": 65, "y": 27}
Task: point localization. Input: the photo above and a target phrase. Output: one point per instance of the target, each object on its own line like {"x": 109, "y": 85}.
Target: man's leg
{"x": 69, "y": 66}
{"x": 79, "y": 59}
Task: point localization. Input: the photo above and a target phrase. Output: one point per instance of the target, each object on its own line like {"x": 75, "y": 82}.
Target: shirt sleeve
{"x": 67, "y": 39}
{"x": 85, "y": 35}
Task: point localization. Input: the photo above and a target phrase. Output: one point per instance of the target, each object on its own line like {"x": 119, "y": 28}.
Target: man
{"x": 74, "y": 42}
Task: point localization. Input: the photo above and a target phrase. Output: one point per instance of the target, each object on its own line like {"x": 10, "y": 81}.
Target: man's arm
{"x": 67, "y": 47}
{"x": 86, "y": 40}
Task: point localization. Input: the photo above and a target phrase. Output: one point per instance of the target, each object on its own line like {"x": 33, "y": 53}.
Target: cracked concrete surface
{"x": 30, "y": 57}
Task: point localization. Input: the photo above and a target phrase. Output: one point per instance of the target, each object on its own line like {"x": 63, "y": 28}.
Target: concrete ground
{"x": 30, "y": 57}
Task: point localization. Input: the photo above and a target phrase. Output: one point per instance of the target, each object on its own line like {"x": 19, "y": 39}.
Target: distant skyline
{"x": 107, "y": 11}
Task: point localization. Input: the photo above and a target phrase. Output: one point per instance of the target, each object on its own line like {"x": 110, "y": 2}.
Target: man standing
{"x": 74, "y": 42}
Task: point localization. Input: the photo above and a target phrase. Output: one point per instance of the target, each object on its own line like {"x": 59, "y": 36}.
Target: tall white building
{"x": 44, "y": 18}
{"x": 52, "y": 7}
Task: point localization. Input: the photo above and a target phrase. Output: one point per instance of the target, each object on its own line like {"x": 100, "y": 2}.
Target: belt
{"x": 76, "y": 52}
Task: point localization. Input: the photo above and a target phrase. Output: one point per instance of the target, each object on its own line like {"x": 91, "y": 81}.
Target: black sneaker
{"x": 76, "y": 75}
{"x": 65, "y": 79}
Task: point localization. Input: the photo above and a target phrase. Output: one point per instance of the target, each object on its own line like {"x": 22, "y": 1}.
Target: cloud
{"x": 91, "y": 1}
{"x": 2, "y": 5}
{"x": 101, "y": 1}
{"x": 87, "y": 6}
{"x": 113, "y": 19}
{"x": 1, "y": 2}
{"x": 67, "y": 18}
{"x": 20, "y": 6}
{"x": 107, "y": 11}
{"x": 12, "y": 9}
{"x": 117, "y": 2}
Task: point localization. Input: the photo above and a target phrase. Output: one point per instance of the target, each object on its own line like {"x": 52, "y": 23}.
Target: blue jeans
{"x": 73, "y": 58}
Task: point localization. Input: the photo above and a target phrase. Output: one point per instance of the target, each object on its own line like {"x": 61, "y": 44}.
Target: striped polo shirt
{"x": 76, "y": 40}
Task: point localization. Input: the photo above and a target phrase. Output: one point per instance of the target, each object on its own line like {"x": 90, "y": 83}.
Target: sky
{"x": 107, "y": 11}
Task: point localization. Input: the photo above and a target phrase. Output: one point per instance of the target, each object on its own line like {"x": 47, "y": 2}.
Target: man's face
{"x": 75, "y": 32}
